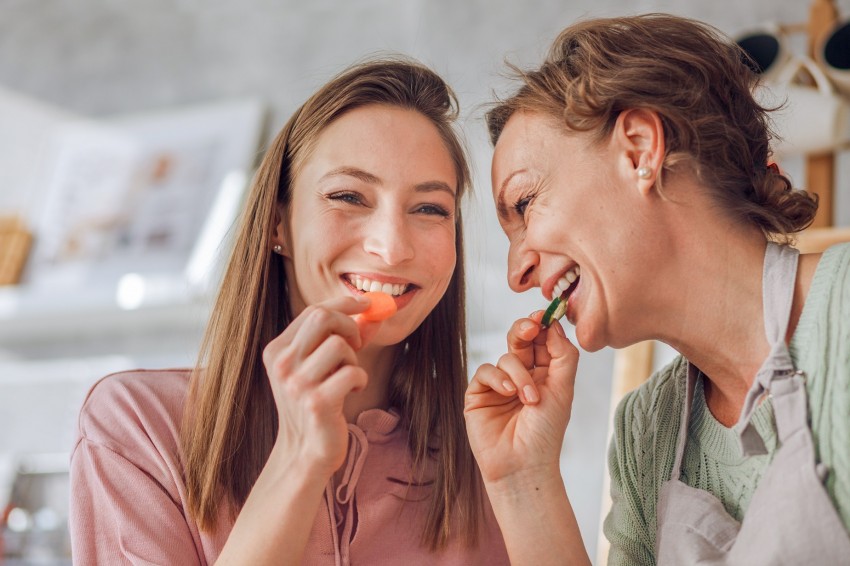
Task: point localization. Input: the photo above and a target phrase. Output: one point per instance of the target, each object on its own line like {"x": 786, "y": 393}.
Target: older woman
{"x": 631, "y": 174}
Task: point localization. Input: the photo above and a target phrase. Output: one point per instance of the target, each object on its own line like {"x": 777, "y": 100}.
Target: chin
{"x": 389, "y": 337}
{"x": 589, "y": 340}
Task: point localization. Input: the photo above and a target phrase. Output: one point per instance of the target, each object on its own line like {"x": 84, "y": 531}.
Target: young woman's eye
{"x": 433, "y": 209}
{"x": 346, "y": 196}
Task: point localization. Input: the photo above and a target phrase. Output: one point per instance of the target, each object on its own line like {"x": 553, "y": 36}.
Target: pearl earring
{"x": 278, "y": 249}
{"x": 644, "y": 172}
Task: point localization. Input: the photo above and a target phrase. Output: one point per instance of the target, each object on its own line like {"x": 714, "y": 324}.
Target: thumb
{"x": 368, "y": 329}
{"x": 564, "y": 358}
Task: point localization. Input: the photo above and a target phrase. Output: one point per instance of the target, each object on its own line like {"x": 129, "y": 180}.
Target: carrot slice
{"x": 381, "y": 307}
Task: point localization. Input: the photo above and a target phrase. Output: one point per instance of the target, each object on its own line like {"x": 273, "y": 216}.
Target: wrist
{"x": 534, "y": 480}
{"x": 296, "y": 469}
{"x": 536, "y": 517}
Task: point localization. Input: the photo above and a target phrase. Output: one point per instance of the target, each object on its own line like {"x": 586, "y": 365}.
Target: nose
{"x": 388, "y": 236}
{"x": 522, "y": 268}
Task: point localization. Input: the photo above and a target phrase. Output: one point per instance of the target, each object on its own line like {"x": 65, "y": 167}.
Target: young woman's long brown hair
{"x": 231, "y": 419}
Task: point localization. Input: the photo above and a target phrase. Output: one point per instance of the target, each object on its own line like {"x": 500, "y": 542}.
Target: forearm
{"x": 537, "y": 520}
{"x": 275, "y": 523}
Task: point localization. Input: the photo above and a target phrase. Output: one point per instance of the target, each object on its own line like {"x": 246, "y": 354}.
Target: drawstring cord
{"x": 358, "y": 448}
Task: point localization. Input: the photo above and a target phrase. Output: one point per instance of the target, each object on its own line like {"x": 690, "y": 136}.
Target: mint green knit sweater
{"x": 646, "y": 426}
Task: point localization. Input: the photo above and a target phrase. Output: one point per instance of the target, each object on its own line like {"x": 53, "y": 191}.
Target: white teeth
{"x": 564, "y": 282}
{"x": 561, "y": 286}
{"x": 367, "y": 285}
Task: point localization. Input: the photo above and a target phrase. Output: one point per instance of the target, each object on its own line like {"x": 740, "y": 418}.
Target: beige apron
{"x": 790, "y": 518}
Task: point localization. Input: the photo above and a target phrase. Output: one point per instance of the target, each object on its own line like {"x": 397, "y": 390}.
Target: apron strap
{"x": 693, "y": 374}
{"x": 780, "y": 274}
{"x": 790, "y": 404}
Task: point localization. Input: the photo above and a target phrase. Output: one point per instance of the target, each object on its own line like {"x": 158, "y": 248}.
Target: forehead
{"x": 527, "y": 145}
{"x": 390, "y": 142}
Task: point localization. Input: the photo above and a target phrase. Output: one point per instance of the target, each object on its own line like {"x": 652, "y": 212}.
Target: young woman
{"x": 632, "y": 177}
{"x": 306, "y": 435}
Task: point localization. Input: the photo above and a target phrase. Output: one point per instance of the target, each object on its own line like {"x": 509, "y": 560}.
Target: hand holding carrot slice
{"x": 381, "y": 306}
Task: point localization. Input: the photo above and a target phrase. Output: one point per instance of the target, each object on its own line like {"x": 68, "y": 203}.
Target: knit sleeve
{"x": 639, "y": 460}
{"x": 821, "y": 347}
{"x": 625, "y": 526}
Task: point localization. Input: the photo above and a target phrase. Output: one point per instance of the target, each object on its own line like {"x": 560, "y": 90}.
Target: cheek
{"x": 437, "y": 248}
{"x": 546, "y": 223}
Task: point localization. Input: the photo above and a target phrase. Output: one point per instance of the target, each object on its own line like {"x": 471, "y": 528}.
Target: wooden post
{"x": 820, "y": 169}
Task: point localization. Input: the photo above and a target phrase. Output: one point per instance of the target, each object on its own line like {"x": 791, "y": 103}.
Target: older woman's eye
{"x": 521, "y": 205}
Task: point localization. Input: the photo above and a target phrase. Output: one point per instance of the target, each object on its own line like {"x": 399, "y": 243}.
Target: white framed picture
{"x": 147, "y": 197}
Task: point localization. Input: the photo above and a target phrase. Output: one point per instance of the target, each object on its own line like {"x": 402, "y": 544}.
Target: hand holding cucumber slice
{"x": 556, "y": 310}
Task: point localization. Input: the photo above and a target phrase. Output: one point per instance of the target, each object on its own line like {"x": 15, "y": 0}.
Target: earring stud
{"x": 644, "y": 172}
{"x": 278, "y": 249}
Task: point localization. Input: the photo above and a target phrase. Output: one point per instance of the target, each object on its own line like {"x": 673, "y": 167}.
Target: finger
{"x": 313, "y": 326}
{"x": 541, "y": 352}
{"x": 514, "y": 368}
{"x": 521, "y": 340}
{"x": 347, "y": 305}
{"x": 339, "y": 384}
{"x": 367, "y": 328}
{"x": 489, "y": 377}
{"x": 326, "y": 359}
{"x": 320, "y": 323}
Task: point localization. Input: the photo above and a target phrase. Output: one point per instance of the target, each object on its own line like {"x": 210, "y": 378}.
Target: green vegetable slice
{"x": 556, "y": 310}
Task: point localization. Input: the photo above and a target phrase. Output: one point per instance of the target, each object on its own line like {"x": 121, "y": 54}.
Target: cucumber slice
{"x": 556, "y": 310}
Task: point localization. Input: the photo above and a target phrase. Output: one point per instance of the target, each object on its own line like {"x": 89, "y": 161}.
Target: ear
{"x": 281, "y": 233}
{"x": 640, "y": 134}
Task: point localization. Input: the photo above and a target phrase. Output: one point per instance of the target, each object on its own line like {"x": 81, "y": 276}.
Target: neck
{"x": 378, "y": 362}
{"x": 706, "y": 300}
{"x": 720, "y": 326}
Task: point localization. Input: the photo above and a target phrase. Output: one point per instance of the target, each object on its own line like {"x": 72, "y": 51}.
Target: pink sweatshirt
{"x": 128, "y": 501}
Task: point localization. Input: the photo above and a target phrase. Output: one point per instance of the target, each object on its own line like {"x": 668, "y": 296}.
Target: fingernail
{"x": 507, "y": 384}
{"x": 530, "y": 394}
{"x": 560, "y": 330}
{"x": 527, "y": 325}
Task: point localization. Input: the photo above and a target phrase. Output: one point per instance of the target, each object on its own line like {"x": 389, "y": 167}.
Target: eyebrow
{"x": 431, "y": 186}
{"x": 501, "y": 207}
{"x": 358, "y": 174}
{"x": 366, "y": 177}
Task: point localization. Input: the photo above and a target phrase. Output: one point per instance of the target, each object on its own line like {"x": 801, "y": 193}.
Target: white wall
{"x": 100, "y": 58}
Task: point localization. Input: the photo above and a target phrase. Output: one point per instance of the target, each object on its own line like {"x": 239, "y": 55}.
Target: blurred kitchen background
{"x": 127, "y": 134}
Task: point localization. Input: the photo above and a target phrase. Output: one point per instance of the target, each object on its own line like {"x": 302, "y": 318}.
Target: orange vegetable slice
{"x": 381, "y": 306}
